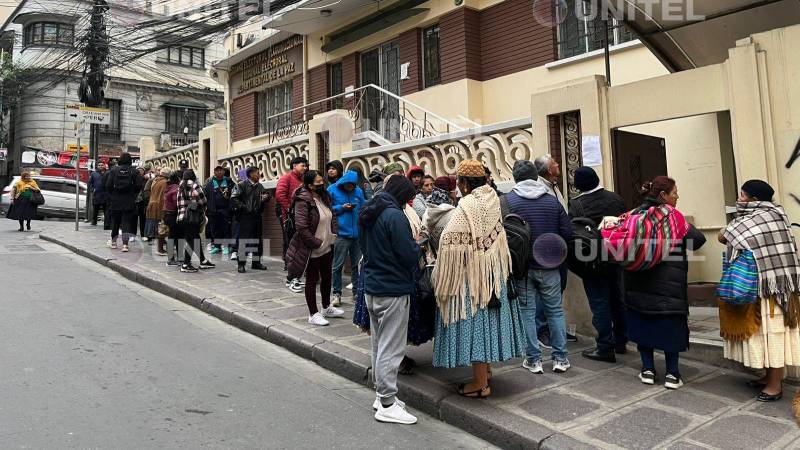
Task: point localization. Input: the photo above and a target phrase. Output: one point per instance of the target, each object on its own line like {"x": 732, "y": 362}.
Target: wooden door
{"x": 637, "y": 158}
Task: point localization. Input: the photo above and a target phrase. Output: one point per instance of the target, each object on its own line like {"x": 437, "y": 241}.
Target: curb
{"x": 480, "y": 419}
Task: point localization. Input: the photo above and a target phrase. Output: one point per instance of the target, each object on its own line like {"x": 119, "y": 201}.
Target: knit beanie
{"x": 524, "y": 170}
{"x": 759, "y": 190}
{"x": 392, "y": 168}
{"x": 401, "y": 189}
{"x": 445, "y": 183}
{"x": 586, "y": 179}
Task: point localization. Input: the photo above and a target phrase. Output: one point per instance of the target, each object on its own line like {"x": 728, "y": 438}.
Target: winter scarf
{"x": 473, "y": 254}
{"x": 763, "y": 228}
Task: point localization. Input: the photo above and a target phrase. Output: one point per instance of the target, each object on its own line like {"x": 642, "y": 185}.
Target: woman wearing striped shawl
{"x": 765, "y": 334}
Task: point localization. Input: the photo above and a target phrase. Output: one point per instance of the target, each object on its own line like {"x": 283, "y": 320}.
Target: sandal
{"x": 483, "y": 392}
{"x": 407, "y": 366}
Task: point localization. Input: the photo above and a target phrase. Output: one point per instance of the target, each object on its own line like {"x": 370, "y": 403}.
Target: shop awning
{"x": 687, "y": 34}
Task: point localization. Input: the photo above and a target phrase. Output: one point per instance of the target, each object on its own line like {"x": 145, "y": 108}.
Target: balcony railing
{"x": 371, "y": 108}
{"x": 181, "y": 140}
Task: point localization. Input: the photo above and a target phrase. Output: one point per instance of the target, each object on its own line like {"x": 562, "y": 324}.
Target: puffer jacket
{"x": 348, "y": 219}
{"x": 285, "y": 190}
{"x": 306, "y": 220}
{"x": 663, "y": 290}
{"x": 596, "y": 205}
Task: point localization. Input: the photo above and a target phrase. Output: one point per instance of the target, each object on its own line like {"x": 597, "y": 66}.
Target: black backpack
{"x": 123, "y": 179}
{"x": 585, "y": 249}
{"x": 518, "y": 234}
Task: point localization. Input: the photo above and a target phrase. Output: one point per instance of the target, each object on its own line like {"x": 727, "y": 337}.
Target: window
{"x": 432, "y": 74}
{"x": 49, "y": 34}
{"x": 583, "y": 30}
{"x": 335, "y": 85}
{"x": 177, "y": 118}
{"x": 184, "y": 56}
{"x": 272, "y": 102}
{"x": 112, "y": 132}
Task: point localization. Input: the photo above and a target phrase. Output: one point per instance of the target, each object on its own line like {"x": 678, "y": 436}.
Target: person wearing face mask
{"x": 657, "y": 297}
{"x": 311, "y": 248}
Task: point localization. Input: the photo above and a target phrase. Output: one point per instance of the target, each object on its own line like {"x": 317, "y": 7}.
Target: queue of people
{"x": 430, "y": 259}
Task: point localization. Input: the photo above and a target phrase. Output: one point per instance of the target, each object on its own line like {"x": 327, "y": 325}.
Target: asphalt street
{"x": 90, "y": 360}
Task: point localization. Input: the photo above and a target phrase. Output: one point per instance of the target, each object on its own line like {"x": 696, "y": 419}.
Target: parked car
{"x": 59, "y": 197}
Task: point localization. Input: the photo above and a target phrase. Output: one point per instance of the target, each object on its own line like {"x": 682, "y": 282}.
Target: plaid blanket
{"x": 764, "y": 229}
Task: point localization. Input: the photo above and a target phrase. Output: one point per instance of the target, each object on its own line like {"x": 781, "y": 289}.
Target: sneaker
{"x": 561, "y": 365}
{"x": 214, "y": 250}
{"x": 207, "y": 265}
{"x": 544, "y": 340}
{"x": 226, "y": 251}
{"x": 145, "y": 239}
{"x": 125, "y": 248}
{"x": 294, "y": 286}
{"x": 188, "y": 268}
{"x": 318, "y": 320}
{"x": 301, "y": 282}
{"x": 394, "y": 414}
{"x": 234, "y": 256}
{"x": 648, "y": 377}
{"x": 376, "y": 405}
{"x": 350, "y": 286}
{"x": 533, "y": 366}
{"x": 333, "y": 312}
{"x": 336, "y": 300}
{"x": 161, "y": 253}
{"x": 673, "y": 381}
{"x": 111, "y": 244}
{"x": 572, "y": 338}
{"x": 209, "y": 247}
{"x": 172, "y": 263}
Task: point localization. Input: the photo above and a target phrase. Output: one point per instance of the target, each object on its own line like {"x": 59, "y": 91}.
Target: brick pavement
{"x": 594, "y": 405}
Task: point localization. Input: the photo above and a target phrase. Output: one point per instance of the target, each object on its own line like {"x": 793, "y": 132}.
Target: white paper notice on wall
{"x": 590, "y": 150}
{"x": 349, "y": 91}
{"x": 404, "y": 70}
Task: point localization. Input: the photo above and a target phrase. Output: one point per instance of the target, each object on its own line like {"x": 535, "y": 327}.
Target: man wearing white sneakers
{"x": 390, "y": 254}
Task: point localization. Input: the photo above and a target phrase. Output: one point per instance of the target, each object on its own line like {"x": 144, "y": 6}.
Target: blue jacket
{"x": 390, "y": 253}
{"x": 544, "y": 214}
{"x": 348, "y": 220}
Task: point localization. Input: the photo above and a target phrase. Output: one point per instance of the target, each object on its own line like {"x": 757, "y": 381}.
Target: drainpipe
{"x": 305, "y": 75}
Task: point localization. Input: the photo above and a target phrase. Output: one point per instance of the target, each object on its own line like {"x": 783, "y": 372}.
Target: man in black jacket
{"x": 123, "y": 184}
{"x": 248, "y": 200}
{"x": 602, "y": 289}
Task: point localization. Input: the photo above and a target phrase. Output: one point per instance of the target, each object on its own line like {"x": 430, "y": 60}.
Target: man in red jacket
{"x": 284, "y": 194}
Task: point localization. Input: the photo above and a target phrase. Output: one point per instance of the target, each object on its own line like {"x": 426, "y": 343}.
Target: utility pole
{"x": 91, "y": 90}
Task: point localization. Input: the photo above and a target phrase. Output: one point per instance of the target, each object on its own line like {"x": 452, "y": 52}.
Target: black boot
{"x": 241, "y": 268}
{"x": 258, "y": 266}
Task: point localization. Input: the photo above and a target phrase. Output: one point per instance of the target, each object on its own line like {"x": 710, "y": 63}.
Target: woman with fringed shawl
{"x": 765, "y": 334}
{"x": 472, "y": 268}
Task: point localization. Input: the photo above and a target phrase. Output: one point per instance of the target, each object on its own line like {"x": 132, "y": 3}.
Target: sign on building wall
{"x": 276, "y": 64}
{"x": 78, "y": 112}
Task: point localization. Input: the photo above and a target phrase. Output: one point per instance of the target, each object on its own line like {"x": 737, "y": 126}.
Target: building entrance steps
{"x": 595, "y": 404}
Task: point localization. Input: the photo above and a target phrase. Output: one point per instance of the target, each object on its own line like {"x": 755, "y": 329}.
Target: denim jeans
{"x": 341, "y": 248}
{"x": 608, "y": 313}
{"x": 541, "y": 320}
{"x": 542, "y": 287}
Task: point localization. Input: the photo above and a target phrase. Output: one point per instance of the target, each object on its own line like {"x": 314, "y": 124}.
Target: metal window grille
{"x": 431, "y": 66}
{"x": 583, "y": 29}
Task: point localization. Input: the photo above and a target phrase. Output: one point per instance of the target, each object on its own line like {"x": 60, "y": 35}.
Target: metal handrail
{"x": 345, "y": 94}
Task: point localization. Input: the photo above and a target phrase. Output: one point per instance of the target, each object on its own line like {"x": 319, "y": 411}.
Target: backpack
{"x": 123, "y": 179}
{"x": 584, "y": 257}
{"x": 518, "y": 234}
{"x": 641, "y": 239}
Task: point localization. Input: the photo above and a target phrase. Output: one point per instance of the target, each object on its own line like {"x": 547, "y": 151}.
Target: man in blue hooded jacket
{"x": 347, "y": 199}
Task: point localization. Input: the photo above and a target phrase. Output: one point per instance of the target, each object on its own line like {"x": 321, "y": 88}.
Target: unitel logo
{"x": 550, "y": 13}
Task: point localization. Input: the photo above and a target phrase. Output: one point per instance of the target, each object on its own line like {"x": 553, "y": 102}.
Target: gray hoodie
{"x": 531, "y": 189}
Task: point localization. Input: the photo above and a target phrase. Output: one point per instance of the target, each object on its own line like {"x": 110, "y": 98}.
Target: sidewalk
{"x": 594, "y": 405}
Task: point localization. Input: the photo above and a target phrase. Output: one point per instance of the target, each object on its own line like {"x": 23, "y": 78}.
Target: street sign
{"x": 78, "y": 112}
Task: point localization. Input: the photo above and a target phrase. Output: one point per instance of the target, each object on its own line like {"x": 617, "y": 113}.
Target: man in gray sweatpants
{"x": 390, "y": 256}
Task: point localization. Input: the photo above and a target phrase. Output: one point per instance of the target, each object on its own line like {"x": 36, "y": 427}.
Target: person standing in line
{"x": 476, "y": 323}
{"x": 363, "y": 183}
{"x": 189, "y": 191}
{"x": 155, "y": 207}
{"x": 549, "y": 172}
{"x": 415, "y": 175}
{"x": 170, "y": 216}
{"x": 657, "y": 299}
{"x": 429, "y": 193}
{"x": 142, "y": 201}
{"x": 390, "y": 256}
{"x": 448, "y": 185}
{"x": 393, "y": 168}
{"x": 22, "y": 208}
{"x": 107, "y": 212}
{"x": 542, "y": 285}
{"x": 99, "y": 196}
{"x": 347, "y": 200}
{"x": 284, "y": 195}
{"x": 218, "y": 192}
{"x": 311, "y": 249}
{"x": 248, "y": 201}
{"x": 123, "y": 184}
{"x": 764, "y": 334}
{"x": 602, "y": 288}
{"x": 333, "y": 172}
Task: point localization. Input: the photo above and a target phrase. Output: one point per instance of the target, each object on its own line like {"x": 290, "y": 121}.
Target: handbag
{"x": 37, "y": 198}
{"x": 739, "y": 283}
{"x": 163, "y": 229}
